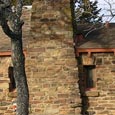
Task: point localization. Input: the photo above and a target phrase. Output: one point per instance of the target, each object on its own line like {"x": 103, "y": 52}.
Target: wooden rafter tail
{"x": 8, "y": 53}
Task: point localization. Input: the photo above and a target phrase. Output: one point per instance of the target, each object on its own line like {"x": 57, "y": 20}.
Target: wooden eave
{"x": 5, "y": 54}
{"x": 8, "y": 53}
{"x": 94, "y": 50}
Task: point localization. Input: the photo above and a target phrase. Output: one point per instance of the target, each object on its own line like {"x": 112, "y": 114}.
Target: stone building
{"x": 50, "y": 62}
{"x": 96, "y": 65}
{"x": 62, "y": 80}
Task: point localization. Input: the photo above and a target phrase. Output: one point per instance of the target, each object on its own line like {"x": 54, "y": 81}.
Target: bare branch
{"x": 6, "y": 29}
{"x": 19, "y": 7}
{"x": 94, "y": 29}
{"x": 78, "y": 13}
{"x": 5, "y": 3}
{"x": 90, "y": 28}
{"x": 10, "y": 20}
{"x": 94, "y": 26}
{"x": 110, "y": 5}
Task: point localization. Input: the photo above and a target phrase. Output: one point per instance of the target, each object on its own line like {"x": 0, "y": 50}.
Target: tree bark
{"x": 14, "y": 32}
{"x": 18, "y": 60}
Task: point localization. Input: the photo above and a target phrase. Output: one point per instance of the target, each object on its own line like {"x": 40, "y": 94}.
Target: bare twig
{"x": 110, "y": 6}
{"x": 93, "y": 27}
{"x": 19, "y": 7}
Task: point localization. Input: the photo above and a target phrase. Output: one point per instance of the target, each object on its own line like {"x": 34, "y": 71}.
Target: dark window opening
{"x": 12, "y": 84}
{"x": 89, "y": 76}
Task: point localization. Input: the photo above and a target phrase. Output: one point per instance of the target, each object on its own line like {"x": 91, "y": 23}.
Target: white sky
{"x": 105, "y": 9}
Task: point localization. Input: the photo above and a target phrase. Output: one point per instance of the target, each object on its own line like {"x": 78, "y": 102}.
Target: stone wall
{"x": 100, "y": 99}
{"x": 52, "y": 70}
{"x": 51, "y": 65}
{"x": 6, "y": 97}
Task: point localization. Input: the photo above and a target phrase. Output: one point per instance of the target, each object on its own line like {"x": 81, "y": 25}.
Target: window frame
{"x": 89, "y": 72}
{"x": 12, "y": 84}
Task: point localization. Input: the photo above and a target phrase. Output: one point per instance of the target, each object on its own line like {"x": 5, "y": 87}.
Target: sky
{"x": 105, "y": 9}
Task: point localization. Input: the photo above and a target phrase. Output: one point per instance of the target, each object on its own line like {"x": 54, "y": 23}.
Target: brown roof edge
{"x": 94, "y": 50}
{"x": 8, "y": 53}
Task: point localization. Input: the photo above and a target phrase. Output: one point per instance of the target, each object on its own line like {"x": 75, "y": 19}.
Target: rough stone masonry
{"x": 51, "y": 63}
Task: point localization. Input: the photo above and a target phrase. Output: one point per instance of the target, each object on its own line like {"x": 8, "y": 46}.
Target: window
{"x": 89, "y": 76}
{"x": 12, "y": 84}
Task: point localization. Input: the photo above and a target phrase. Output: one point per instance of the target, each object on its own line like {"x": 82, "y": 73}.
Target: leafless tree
{"x": 95, "y": 26}
{"x": 110, "y": 9}
{"x": 112, "y": 15}
{"x": 11, "y": 23}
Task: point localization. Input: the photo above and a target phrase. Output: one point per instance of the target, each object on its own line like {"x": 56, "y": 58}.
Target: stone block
{"x": 92, "y": 93}
{"x": 12, "y": 94}
{"x": 4, "y": 85}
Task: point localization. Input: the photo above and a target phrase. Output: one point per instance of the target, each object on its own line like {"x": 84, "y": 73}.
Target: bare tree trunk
{"x": 18, "y": 60}
{"x": 13, "y": 30}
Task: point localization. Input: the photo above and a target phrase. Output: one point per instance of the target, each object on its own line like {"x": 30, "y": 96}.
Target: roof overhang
{"x": 8, "y": 53}
{"x": 94, "y": 50}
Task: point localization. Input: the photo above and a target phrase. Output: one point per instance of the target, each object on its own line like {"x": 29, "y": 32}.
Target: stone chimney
{"x": 54, "y": 76}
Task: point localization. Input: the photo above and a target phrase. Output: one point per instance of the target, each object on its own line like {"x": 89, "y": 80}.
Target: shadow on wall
{"x": 84, "y": 84}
